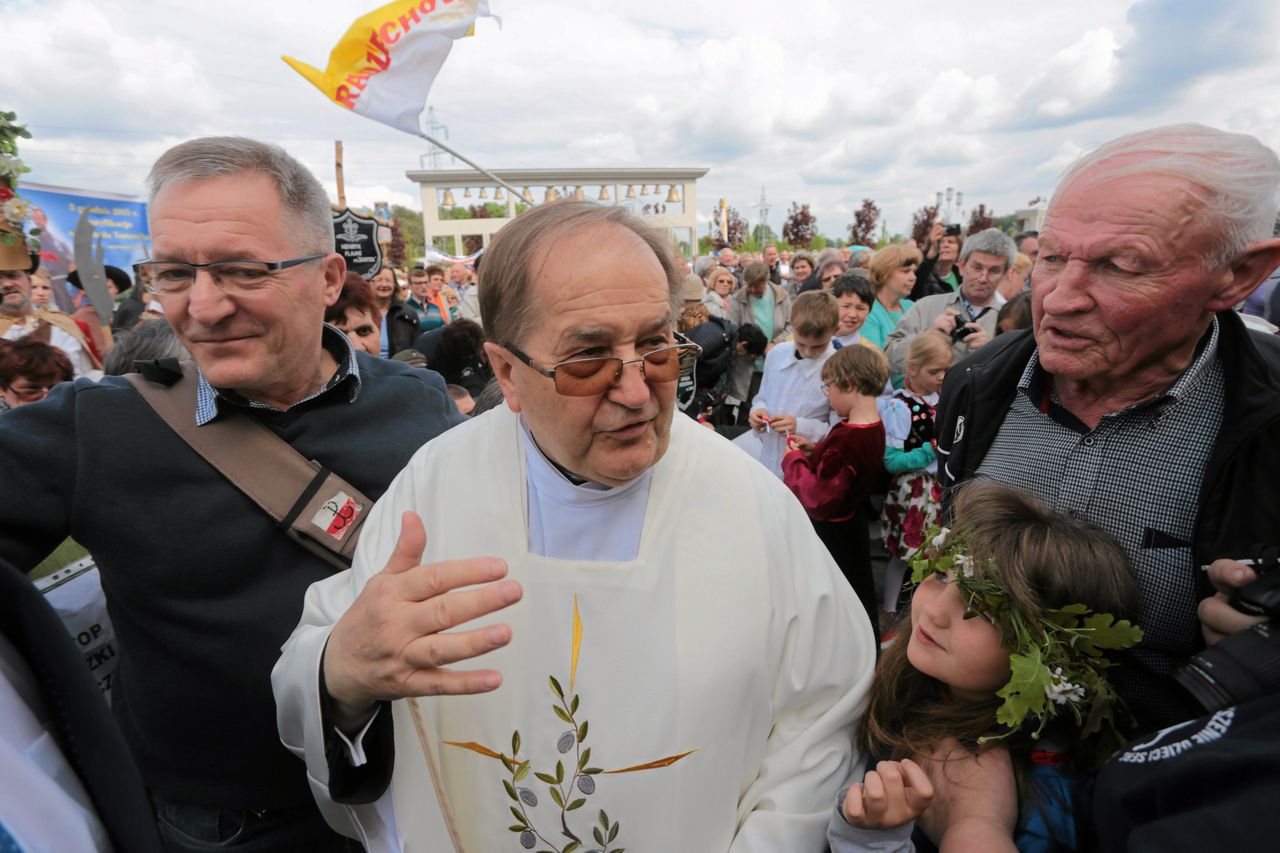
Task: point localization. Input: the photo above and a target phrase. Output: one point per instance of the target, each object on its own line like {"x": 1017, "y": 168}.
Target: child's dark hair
{"x": 752, "y": 339}
{"x": 859, "y": 368}
{"x": 852, "y": 284}
{"x": 1042, "y": 560}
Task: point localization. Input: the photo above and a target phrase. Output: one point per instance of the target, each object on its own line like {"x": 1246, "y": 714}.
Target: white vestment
{"x": 731, "y": 637}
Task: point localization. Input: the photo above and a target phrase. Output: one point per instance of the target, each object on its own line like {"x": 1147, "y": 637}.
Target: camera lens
{"x": 1241, "y": 667}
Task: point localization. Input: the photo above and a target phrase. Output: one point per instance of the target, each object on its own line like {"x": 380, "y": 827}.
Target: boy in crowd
{"x": 833, "y": 477}
{"x": 791, "y": 401}
{"x": 854, "y": 297}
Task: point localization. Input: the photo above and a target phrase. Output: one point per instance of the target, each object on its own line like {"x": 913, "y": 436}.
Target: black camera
{"x": 960, "y": 331}
{"x": 1246, "y": 664}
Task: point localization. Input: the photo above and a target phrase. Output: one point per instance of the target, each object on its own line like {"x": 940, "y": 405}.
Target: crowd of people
{"x": 645, "y": 490}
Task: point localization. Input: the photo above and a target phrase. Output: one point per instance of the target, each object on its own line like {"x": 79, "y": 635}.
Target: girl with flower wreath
{"x": 1012, "y": 618}
{"x": 913, "y": 502}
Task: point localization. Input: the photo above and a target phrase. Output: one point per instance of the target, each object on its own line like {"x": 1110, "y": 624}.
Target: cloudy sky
{"x": 816, "y": 101}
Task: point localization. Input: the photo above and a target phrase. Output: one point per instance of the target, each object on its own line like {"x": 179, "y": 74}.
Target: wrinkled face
{"x": 383, "y": 284}
{"x": 926, "y": 378}
{"x": 770, "y": 256}
{"x": 853, "y": 313}
{"x": 948, "y": 248}
{"x": 15, "y": 288}
{"x": 41, "y": 292}
{"x": 418, "y": 285}
{"x": 264, "y": 343}
{"x": 982, "y": 274}
{"x": 801, "y": 270}
{"x": 901, "y": 281}
{"x": 964, "y": 654}
{"x": 728, "y": 257}
{"x": 364, "y": 333}
{"x": 811, "y": 347}
{"x": 1120, "y": 285}
{"x": 724, "y": 283}
{"x": 600, "y": 292}
{"x": 830, "y": 274}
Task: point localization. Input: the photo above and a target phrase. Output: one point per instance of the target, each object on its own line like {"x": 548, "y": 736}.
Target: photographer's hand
{"x": 978, "y": 338}
{"x": 946, "y": 321}
{"x": 1217, "y": 617}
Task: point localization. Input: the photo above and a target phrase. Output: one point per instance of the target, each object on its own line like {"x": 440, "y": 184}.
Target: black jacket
{"x": 402, "y": 327}
{"x": 928, "y": 283}
{"x": 1240, "y": 492}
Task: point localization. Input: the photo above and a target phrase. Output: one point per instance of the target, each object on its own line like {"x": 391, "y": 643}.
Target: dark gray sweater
{"x": 202, "y": 589}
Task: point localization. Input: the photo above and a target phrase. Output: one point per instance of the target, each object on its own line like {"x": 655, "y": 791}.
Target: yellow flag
{"x": 385, "y": 63}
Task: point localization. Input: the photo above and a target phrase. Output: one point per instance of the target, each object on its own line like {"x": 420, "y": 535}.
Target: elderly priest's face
{"x": 599, "y": 292}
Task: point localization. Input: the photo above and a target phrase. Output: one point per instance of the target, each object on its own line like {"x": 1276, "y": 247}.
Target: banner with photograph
{"x": 119, "y": 221}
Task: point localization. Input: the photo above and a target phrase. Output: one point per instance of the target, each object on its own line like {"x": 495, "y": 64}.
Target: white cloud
{"x": 823, "y": 103}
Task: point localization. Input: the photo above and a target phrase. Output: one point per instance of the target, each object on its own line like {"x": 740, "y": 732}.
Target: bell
{"x": 578, "y": 195}
{"x": 497, "y": 194}
{"x": 526, "y": 196}
{"x": 484, "y": 193}
{"x": 672, "y": 195}
{"x": 466, "y": 193}
{"x": 448, "y": 198}
{"x": 551, "y": 195}
{"x": 604, "y": 193}
{"x": 631, "y": 191}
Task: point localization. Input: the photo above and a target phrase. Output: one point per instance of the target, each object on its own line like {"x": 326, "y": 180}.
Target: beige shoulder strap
{"x": 314, "y": 506}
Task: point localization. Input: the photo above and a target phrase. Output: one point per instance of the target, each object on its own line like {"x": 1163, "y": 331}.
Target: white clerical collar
{"x": 553, "y": 484}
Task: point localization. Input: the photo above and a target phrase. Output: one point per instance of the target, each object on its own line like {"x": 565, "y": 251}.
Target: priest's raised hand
{"x": 392, "y": 643}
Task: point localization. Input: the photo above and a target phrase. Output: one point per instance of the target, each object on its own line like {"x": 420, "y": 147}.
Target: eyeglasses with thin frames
{"x": 170, "y": 277}
{"x": 587, "y": 377}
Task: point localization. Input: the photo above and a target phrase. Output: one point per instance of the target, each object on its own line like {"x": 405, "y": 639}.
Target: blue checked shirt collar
{"x": 339, "y": 346}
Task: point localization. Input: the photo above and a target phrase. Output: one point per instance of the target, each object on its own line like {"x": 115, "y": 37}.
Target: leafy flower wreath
{"x": 14, "y": 209}
{"x": 1058, "y": 657}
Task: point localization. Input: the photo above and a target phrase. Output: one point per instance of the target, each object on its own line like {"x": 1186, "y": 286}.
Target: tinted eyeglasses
{"x": 587, "y": 377}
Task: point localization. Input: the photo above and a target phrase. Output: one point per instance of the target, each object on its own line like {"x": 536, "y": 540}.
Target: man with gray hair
{"x": 203, "y": 587}
{"x": 967, "y": 316}
{"x": 720, "y": 675}
{"x": 1139, "y": 400}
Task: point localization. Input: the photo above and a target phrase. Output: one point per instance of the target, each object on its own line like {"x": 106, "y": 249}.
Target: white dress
{"x": 729, "y": 659}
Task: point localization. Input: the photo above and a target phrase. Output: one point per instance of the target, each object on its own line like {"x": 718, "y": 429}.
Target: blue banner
{"x": 118, "y": 221}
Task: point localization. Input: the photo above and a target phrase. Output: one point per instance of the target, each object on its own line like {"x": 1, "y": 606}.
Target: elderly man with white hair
{"x": 1138, "y": 401}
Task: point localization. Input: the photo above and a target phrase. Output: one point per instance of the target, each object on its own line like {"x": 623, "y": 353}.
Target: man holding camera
{"x": 967, "y": 316}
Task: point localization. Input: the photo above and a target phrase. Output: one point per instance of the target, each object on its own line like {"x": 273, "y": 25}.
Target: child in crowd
{"x": 833, "y": 477}
{"x": 854, "y": 297}
{"x": 791, "y": 401}
{"x": 910, "y": 456}
{"x": 1013, "y": 615}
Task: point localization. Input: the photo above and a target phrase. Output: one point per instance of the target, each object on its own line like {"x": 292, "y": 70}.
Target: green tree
{"x": 410, "y": 222}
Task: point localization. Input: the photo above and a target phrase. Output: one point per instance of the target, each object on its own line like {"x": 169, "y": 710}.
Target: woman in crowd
{"x": 1015, "y": 280}
{"x": 356, "y": 314}
{"x": 939, "y": 271}
{"x": 28, "y": 369}
{"x": 802, "y": 264}
{"x": 893, "y": 273}
{"x": 720, "y": 283}
{"x": 399, "y": 325}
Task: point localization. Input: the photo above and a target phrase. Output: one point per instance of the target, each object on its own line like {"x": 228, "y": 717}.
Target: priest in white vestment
{"x": 681, "y": 662}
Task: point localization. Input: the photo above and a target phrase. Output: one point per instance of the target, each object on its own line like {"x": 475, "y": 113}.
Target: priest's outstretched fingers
{"x": 391, "y": 644}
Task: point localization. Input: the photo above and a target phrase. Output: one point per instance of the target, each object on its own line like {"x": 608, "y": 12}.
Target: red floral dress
{"x": 914, "y": 499}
